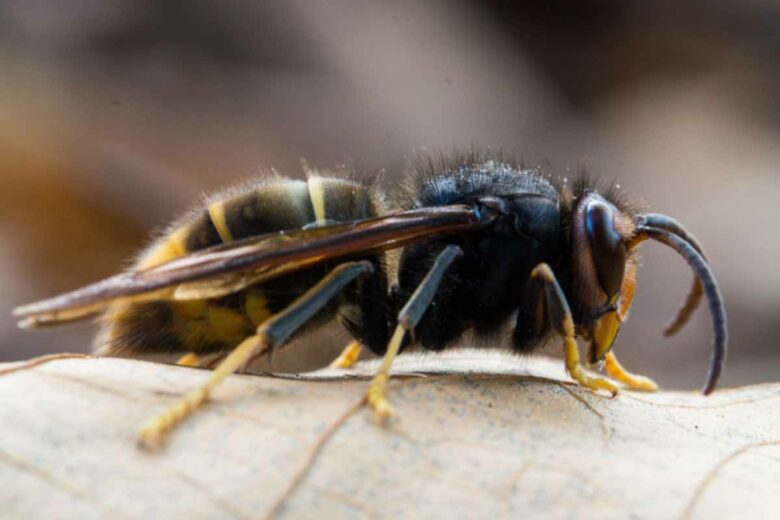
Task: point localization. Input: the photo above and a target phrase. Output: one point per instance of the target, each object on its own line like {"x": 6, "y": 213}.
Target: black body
{"x": 490, "y": 281}
{"x": 485, "y": 287}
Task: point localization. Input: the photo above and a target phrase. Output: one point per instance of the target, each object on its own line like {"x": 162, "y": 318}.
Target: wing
{"x": 226, "y": 268}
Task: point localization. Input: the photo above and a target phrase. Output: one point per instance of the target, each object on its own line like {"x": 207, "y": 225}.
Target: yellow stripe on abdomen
{"x": 317, "y": 196}
{"x": 217, "y": 215}
{"x": 170, "y": 248}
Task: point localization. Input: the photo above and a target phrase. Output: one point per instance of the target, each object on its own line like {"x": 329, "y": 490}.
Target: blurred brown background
{"x": 115, "y": 115}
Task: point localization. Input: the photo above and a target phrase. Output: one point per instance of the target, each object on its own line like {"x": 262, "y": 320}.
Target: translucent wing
{"x": 226, "y": 268}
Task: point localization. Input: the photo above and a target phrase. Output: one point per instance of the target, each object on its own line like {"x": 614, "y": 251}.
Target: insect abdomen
{"x": 204, "y": 326}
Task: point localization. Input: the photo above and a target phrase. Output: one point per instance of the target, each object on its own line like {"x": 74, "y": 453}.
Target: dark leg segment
{"x": 271, "y": 334}
{"x": 532, "y": 325}
{"x": 280, "y": 327}
{"x": 561, "y": 321}
{"x": 408, "y": 319}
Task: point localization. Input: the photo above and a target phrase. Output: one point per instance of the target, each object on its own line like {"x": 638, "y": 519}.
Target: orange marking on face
{"x": 627, "y": 289}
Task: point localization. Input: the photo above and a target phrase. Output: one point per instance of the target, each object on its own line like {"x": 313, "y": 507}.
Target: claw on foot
{"x": 381, "y": 408}
{"x": 595, "y": 384}
{"x": 377, "y": 400}
{"x": 640, "y": 383}
{"x": 348, "y": 356}
{"x": 577, "y": 372}
{"x": 616, "y": 371}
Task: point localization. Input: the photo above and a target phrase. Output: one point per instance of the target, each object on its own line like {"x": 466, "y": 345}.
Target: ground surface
{"x": 514, "y": 439}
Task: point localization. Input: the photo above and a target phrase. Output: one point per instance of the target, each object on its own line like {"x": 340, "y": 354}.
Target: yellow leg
{"x": 348, "y": 356}
{"x": 633, "y": 381}
{"x": 190, "y": 359}
{"x": 408, "y": 318}
{"x": 376, "y": 396}
{"x": 574, "y": 367}
{"x": 153, "y": 432}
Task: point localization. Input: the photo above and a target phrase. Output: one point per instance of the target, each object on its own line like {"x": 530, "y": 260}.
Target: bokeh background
{"x": 116, "y": 114}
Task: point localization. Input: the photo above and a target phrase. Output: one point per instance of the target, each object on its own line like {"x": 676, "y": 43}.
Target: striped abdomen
{"x": 204, "y": 326}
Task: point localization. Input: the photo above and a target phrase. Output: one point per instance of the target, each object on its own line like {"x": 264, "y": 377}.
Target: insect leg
{"x": 348, "y": 356}
{"x": 613, "y": 367}
{"x": 532, "y": 324}
{"x": 561, "y": 320}
{"x": 271, "y": 334}
{"x": 633, "y": 381}
{"x": 193, "y": 360}
{"x": 190, "y": 359}
{"x": 408, "y": 319}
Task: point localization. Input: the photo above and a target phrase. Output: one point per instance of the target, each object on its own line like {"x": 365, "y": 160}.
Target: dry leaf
{"x": 483, "y": 435}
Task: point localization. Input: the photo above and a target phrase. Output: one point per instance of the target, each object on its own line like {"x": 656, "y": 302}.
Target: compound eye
{"x": 609, "y": 252}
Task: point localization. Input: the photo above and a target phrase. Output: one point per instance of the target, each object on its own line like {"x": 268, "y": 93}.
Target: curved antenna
{"x": 692, "y": 300}
{"x": 710, "y": 288}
